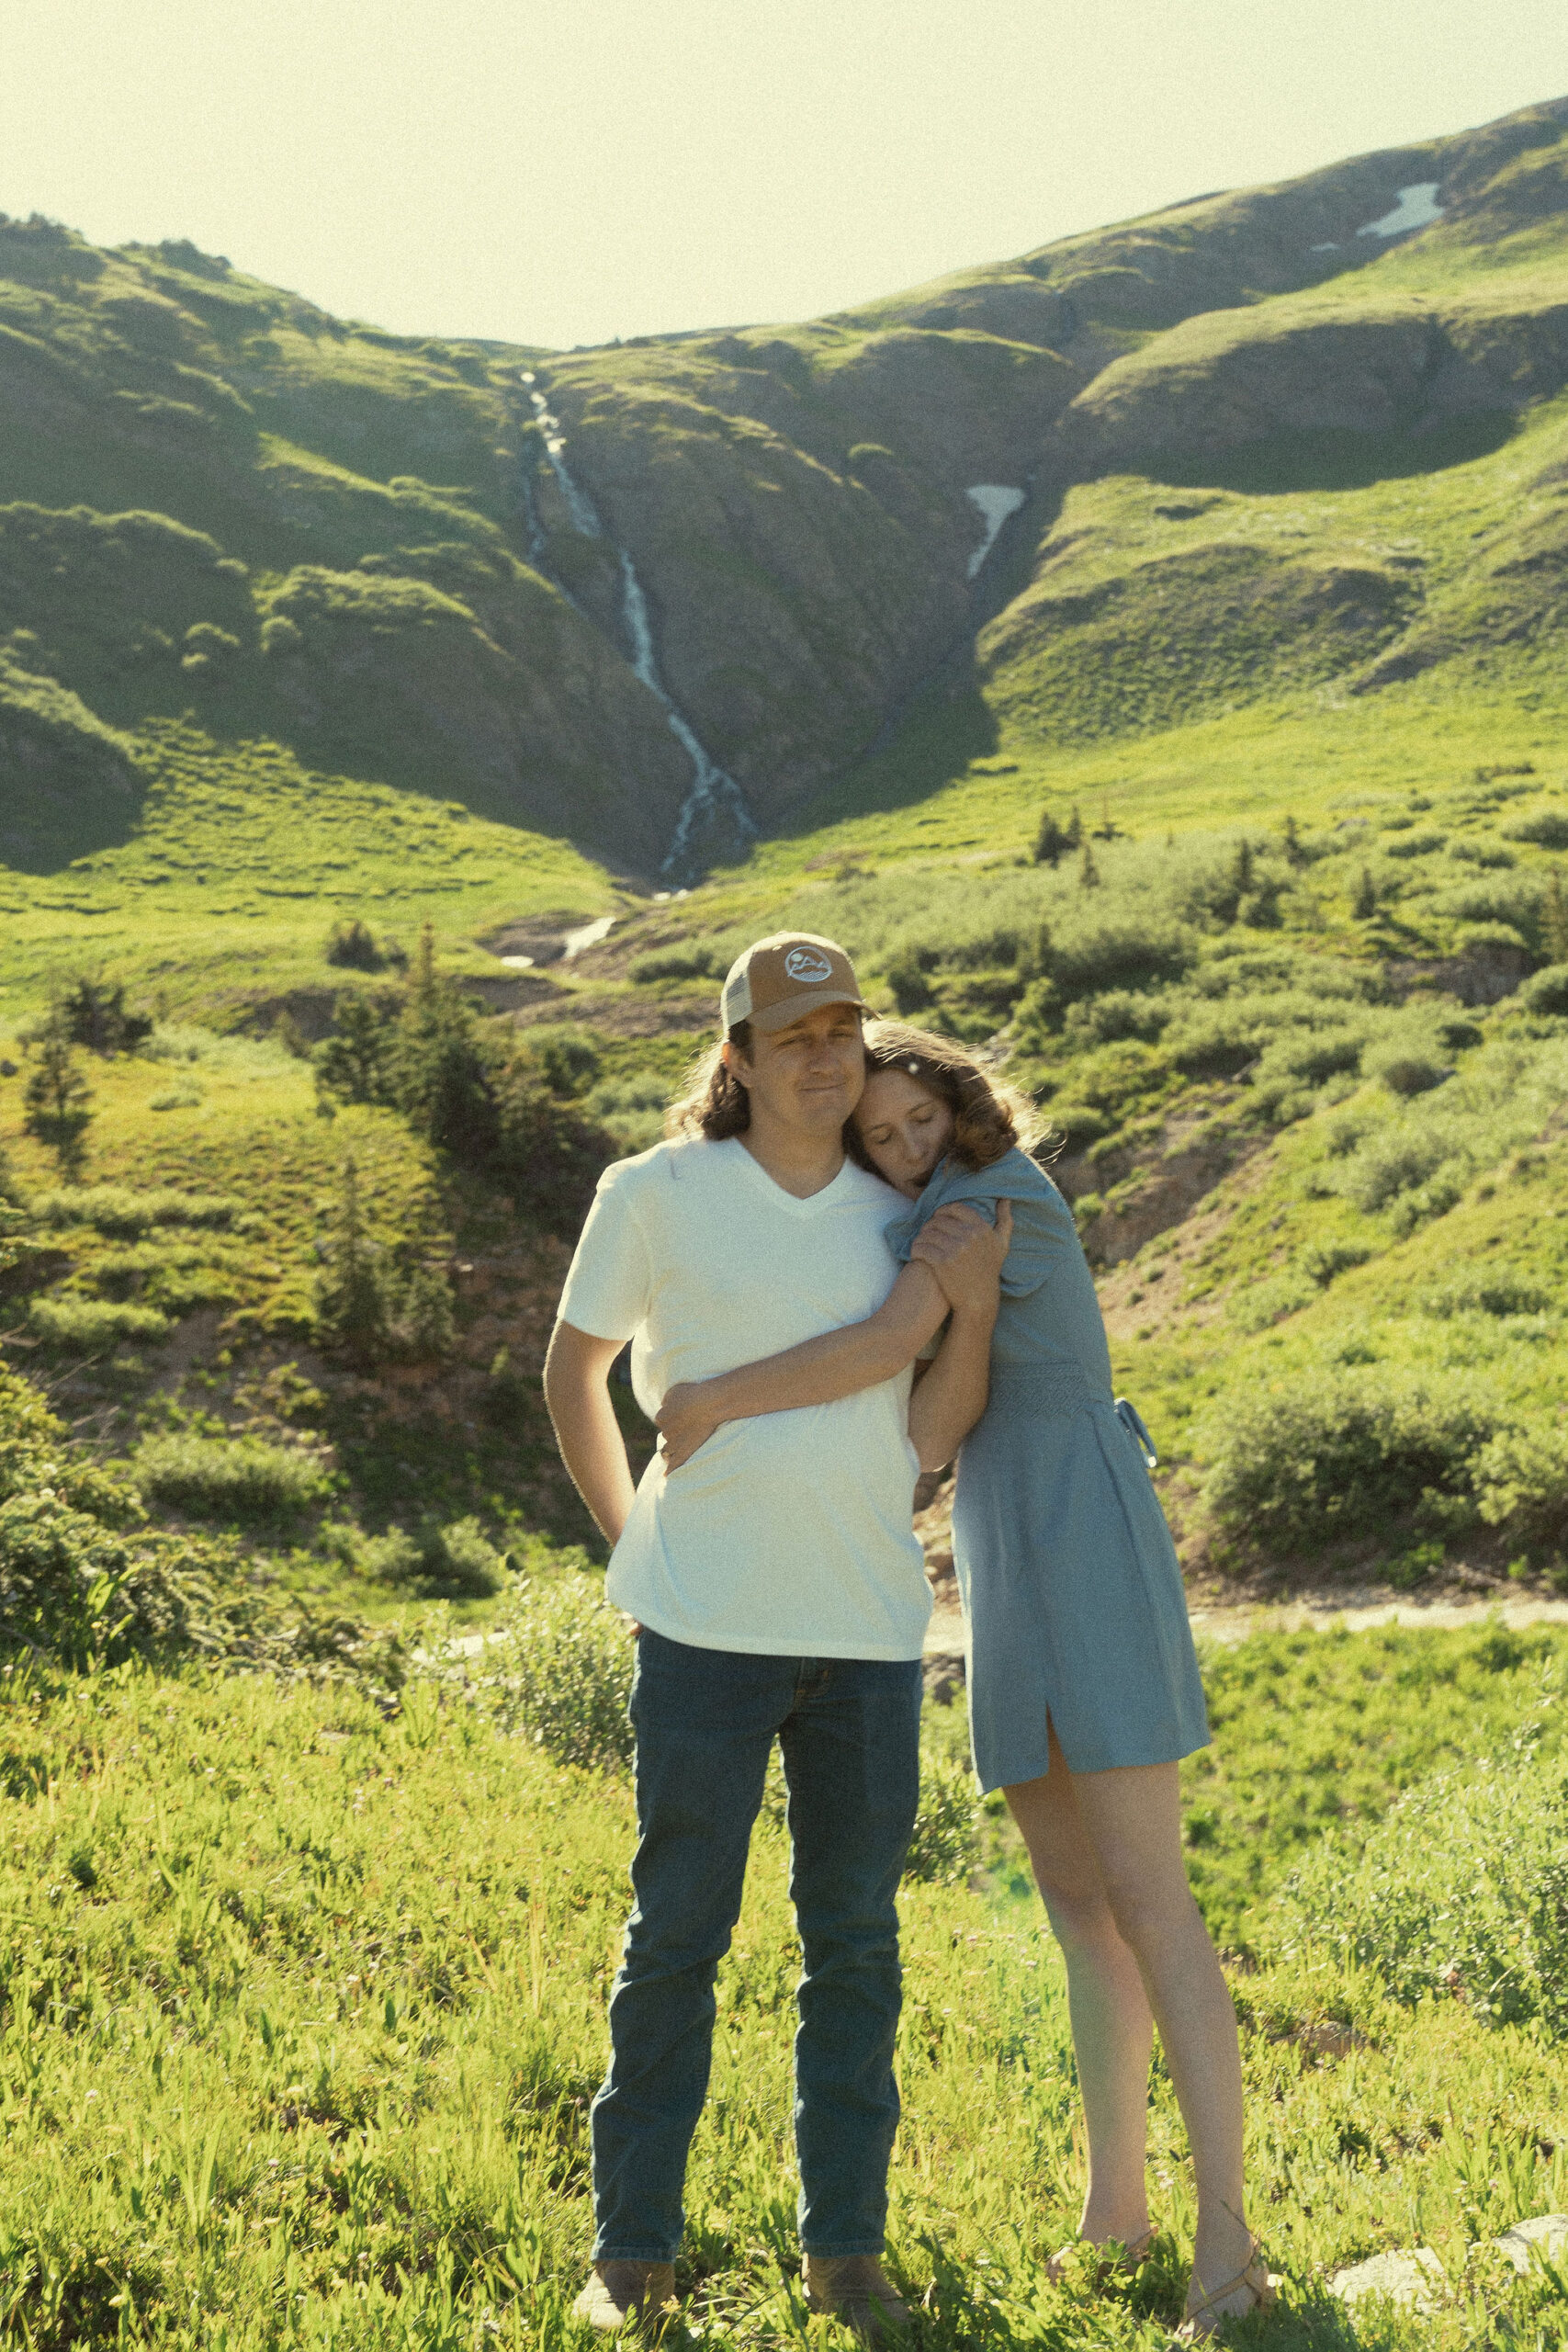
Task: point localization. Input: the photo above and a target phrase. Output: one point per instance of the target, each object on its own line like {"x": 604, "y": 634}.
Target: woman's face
{"x": 905, "y": 1129}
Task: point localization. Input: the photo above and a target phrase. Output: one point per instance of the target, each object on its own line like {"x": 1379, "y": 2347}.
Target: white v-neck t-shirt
{"x": 789, "y": 1534}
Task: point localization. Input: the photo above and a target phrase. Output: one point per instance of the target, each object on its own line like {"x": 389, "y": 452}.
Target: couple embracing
{"x": 840, "y": 1269}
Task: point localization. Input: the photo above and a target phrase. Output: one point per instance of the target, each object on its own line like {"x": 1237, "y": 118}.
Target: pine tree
{"x": 57, "y": 1099}
{"x": 1089, "y": 873}
{"x": 1296, "y": 856}
{"x": 1365, "y": 903}
{"x": 354, "y": 1063}
{"x": 1050, "y": 840}
{"x": 351, "y": 1288}
{"x": 1242, "y": 868}
{"x": 1075, "y": 829}
{"x": 1555, "y": 921}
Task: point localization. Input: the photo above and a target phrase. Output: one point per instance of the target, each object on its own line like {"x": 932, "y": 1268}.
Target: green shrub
{"x": 228, "y": 1478}
{"x": 1119, "y": 1013}
{"x": 906, "y": 975}
{"x": 686, "y": 962}
{"x": 549, "y": 1154}
{"x": 457, "y": 1562}
{"x": 945, "y": 1850}
{"x": 1546, "y": 992}
{"x": 568, "y": 1060}
{"x": 83, "y": 1325}
{"x": 1405, "y": 1068}
{"x": 1258, "y": 1305}
{"x": 1462, "y": 1888}
{"x": 630, "y": 1110}
{"x": 563, "y": 1672}
{"x": 1324, "y": 1262}
{"x": 1484, "y": 1290}
{"x": 355, "y": 947}
{"x": 460, "y": 1559}
{"x": 1521, "y": 1482}
{"x": 117, "y": 1210}
{"x": 1297, "y": 1465}
{"x": 1548, "y": 828}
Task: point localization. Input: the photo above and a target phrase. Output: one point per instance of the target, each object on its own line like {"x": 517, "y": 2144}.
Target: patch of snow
{"x": 1329, "y": 248}
{"x": 995, "y": 501}
{"x": 1417, "y": 208}
{"x": 518, "y": 962}
{"x": 587, "y": 934}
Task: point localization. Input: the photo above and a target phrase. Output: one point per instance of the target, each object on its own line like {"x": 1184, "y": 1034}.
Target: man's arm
{"x": 577, "y": 1375}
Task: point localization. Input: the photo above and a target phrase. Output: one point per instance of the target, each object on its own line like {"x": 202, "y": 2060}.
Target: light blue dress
{"x": 1068, "y": 1576}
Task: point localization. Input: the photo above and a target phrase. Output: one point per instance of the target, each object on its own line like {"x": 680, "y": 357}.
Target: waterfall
{"x": 713, "y": 813}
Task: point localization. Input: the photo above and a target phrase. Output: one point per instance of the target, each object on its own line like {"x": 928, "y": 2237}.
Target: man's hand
{"x": 965, "y": 1254}
{"x": 685, "y": 1420}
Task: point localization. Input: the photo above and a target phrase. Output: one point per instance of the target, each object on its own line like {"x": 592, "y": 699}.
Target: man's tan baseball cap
{"x": 780, "y": 979}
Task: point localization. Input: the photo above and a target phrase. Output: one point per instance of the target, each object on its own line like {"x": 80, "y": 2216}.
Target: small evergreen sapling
{"x": 57, "y": 1099}
{"x": 1051, "y": 841}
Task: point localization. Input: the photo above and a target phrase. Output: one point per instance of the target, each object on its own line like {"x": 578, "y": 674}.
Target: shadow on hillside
{"x": 61, "y": 802}
{"x": 946, "y": 727}
{"x": 1304, "y": 461}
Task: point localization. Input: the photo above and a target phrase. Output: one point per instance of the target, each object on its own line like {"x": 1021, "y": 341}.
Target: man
{"x": 779, "y": 1593}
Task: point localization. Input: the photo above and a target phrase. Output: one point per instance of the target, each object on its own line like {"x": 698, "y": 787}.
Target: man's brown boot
{"x": 855, "y": 2289}
{"x": 621, "y": 2294}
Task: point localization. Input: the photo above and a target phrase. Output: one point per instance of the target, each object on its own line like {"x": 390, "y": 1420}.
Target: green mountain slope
{"x": 487, "y": 573}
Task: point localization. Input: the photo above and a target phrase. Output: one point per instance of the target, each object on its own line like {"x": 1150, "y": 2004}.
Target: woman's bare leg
{"x": 1129, "y": 1828}
{"x": 1112, "y": 2029}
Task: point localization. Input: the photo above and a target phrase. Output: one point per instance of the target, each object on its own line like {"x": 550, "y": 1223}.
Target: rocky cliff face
{"x": 654, "y": 595}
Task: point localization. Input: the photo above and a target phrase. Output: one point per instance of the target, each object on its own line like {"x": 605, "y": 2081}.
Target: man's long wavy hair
{"x": 989, "y": 1117}
{"x": 715, "y": 1104}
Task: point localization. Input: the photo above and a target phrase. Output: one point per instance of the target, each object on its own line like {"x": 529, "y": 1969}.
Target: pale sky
{"x": 564, "y": 174}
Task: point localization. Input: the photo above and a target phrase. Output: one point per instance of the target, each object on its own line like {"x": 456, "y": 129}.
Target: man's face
{"x": 809, "y": 1076}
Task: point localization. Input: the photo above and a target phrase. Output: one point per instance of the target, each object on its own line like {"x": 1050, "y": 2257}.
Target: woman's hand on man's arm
{"x": 965, "y": 1254}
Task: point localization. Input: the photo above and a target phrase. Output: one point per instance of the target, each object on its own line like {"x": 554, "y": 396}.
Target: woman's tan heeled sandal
{"x": 1203, "y": 2320}
{"x": 1119, "y": 2266}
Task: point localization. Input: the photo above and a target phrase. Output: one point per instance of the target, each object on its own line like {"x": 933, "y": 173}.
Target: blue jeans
{"x": 705, "y": 1721}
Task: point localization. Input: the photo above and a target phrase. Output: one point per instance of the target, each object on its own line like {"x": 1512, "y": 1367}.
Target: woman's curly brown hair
{"x": 989, "y": 1117}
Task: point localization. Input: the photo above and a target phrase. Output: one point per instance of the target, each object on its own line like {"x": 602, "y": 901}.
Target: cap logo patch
{"x": 806, "y": 964}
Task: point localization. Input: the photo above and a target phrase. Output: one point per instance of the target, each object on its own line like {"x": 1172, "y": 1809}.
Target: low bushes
{"x": 1484, "y": 1290}
{"x": 457, "y": 1562}
{"x": 1546, "y": 992}
{"x": 228, "y": 1478}
{"x": 564, "y": 1670}
{"x": 1521, "y": 1482}
{"x": 117, "y": 1209}
{"x": 684, "y": 963}
{"x": 1296, "y": 1466}
{"x": 1462, "y": 1888}
{"x": 82, "y": 1326}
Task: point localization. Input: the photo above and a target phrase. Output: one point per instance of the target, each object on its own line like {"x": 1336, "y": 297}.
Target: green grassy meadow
{"x": 304, "y": 2004}
{"x": 1227, "y": 812}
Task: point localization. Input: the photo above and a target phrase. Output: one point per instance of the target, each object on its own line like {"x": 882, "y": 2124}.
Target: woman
{"x": 1083, "y": 1686}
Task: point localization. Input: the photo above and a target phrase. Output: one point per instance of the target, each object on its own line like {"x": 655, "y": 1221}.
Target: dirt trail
{"x": 1356, "y": 1611}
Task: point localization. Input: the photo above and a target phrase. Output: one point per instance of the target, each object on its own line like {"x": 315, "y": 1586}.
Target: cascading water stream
{"x": 715, "y": 805}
